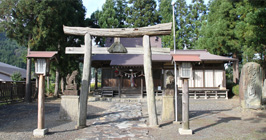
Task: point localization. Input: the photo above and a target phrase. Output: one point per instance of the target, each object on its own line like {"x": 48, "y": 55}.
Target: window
{"x": 186, "y": 70}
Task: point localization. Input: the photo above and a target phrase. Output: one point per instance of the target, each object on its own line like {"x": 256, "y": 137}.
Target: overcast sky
{"x": 93, "y": 5}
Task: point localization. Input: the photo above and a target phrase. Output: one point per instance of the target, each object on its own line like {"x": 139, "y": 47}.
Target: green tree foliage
{"x": 12, "y": 53}
{"x": 16, "y": 76}
{"x": 196, "y": 16}
{"x": 107, "y": 17}
{"x": 218, "y": 34}
{"x": 251, "y": 30}
{"x": 38, "y": 24}
{"x": 166, "y": 15}
{"x": 182, "y": 37}
{"x": 142, "y": 13}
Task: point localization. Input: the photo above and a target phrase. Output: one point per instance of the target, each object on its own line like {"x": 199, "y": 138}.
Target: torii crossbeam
{"x": 88, "y": 50}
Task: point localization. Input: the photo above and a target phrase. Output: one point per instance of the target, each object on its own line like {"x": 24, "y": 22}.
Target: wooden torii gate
{"x": 88, "y": 50}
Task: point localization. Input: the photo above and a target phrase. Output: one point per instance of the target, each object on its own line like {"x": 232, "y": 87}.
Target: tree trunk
{"x": 62, "y": 85}
{"x": 56, "y": 88}
{"x": 235, "y": 70}
{"x": 48, "y": 85}
{"x": 28, "y": 76}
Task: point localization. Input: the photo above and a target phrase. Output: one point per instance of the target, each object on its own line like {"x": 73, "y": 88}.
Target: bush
{"x": 236, "y": 90}
{"x": 16, "y": 76}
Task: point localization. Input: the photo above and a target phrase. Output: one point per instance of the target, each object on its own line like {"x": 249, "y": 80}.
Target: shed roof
{"x": 186, "y": 57}
{"x": 205, "y": 55}
{"x": 41, "y": 54}
{"x": 7, "y": 70}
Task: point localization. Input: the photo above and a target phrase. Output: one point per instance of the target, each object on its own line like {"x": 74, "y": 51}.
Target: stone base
{"x": 185, "y": 131}
{"x": 177, "y": 122}
{"x": 80, "y": 127}
{"x": 69, "y": 107}
{"x": 40, "y": 132}
{"x": 71, "y": 92}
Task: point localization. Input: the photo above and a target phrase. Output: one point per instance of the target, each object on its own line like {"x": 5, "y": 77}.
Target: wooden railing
{"x": 14, "y": 91}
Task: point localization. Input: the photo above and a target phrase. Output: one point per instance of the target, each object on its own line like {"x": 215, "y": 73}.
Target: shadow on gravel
{"x": 221, "y": 120}
{"x": 201, "y": 114}
{"x": 23, "y": 117}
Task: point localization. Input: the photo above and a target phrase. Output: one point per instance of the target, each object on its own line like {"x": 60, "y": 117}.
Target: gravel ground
{"x": 217, "y": 120}
{"x": 209, "y": 119}
{"x": 17, "y": 121}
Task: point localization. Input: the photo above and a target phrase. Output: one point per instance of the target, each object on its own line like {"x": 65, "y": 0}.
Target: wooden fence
{"x": 14, "y": 91}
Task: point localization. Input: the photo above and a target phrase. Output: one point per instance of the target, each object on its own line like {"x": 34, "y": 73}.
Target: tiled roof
{"x": 129, "y": 59}
{"x": 7, "y": 70}
{"x": 137, "y": 59}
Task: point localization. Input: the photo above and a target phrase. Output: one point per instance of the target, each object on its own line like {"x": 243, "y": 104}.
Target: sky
{"x": 93, "y": 5}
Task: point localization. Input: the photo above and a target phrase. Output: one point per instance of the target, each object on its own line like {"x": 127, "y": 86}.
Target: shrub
{"x": 236, "y": 90}
{"x": 16, "y": 76}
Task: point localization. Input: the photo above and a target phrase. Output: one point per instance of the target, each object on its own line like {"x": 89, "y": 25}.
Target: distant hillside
{"x": 12, "y": 53}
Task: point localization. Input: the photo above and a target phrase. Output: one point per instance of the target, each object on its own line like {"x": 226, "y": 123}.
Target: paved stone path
{"x": 121, "y": 121}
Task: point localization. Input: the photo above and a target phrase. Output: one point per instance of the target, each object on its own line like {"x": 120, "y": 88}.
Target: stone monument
{"x": 168, "y": 98}
{"x": 250, "y": 86}
{"x": 71, "y": 87}
{"x": 70, "y": 99}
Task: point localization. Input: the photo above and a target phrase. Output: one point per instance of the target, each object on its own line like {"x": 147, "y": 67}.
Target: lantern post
{"x": 42, "y": 64}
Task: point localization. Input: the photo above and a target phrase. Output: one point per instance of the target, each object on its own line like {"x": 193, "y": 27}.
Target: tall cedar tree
{"x": 112, "y": 15}
{"x": 142, "y": 13}
{"x": 182, "y": 31}
{"x": 38, "y": 24}
{"x": 218, "y": 34}
{"x": 196, "y": 16}
{"x": 166, "y": 15}
{"x": 251, "y": 30}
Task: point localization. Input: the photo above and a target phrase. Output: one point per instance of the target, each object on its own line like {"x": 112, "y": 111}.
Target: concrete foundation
{"x": 185, "y": 131}
{"x": 40, "y": 132}
{"x": 69, "y": 107}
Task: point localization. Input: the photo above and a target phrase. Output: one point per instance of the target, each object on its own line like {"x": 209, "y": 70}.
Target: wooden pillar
{"x": 224, "y": 78}
{"x": 81, "y": 122}
{"x": 41, "y": 103}
{"x": 119, "y": 83}
{"x": 96, "y": 78}
{"x": 235, "y": 72}
{"x": 153, "y": 121}
{"x": 28, "y": 81}
{"x": 185, "y": 130}
{"x": 141, "y": 85}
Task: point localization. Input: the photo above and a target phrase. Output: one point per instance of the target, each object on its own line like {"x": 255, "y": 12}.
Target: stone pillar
{"x": 168, "y": 99}
{"x": 69, "y": 107}
{"x": 250, "y": 86}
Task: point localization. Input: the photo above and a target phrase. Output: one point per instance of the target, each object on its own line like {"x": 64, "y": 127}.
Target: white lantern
{"x": 186, "y": 70}
{"x": 42, "y": 66}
